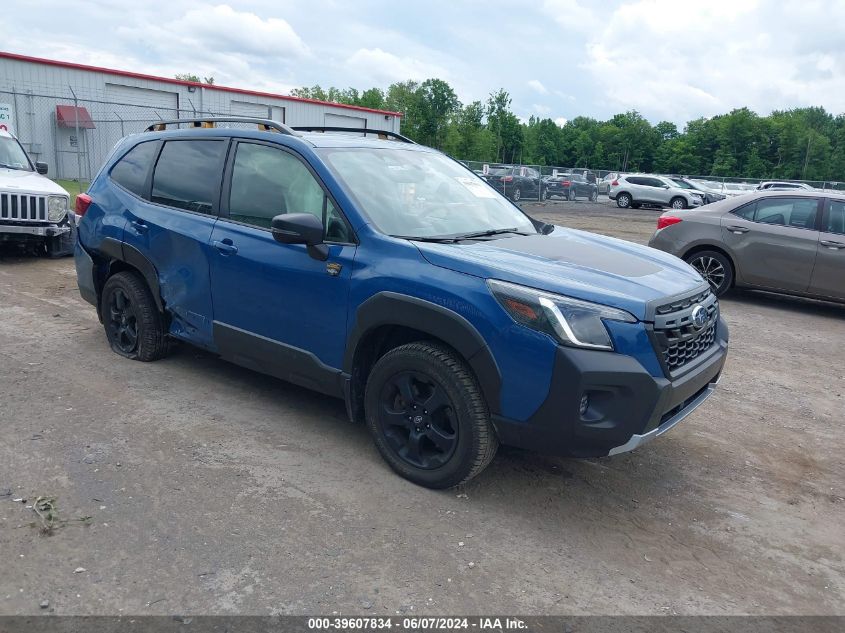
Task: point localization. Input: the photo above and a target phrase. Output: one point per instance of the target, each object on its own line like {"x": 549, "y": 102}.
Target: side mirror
{"x": 41, "y": 167}
{"x": 301, "y": 228}
{"x": 665, "y": 186}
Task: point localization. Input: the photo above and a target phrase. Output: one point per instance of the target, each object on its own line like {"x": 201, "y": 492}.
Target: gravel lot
{"x": 212, "y": 489}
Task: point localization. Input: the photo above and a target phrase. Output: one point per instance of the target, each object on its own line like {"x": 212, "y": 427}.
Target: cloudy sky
{"x": 669, "y": 59}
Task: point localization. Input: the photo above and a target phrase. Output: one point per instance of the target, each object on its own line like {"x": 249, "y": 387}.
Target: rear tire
{"x": 595, "y": 195}
{"x": 623, "y": 200}
{"x": 571, "y": 195}
{"x": 716, "y": 269}
{"x": 134, "y": 327}
{"x": 428, "y": 417}
{"x": 516, "y": 194}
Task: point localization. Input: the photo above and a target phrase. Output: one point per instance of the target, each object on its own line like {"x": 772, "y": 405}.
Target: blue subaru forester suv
{"x": 387, "y": 274}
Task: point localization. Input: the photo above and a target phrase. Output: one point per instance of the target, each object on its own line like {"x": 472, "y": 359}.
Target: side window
{"x": 130, "y": 172}
{"x": 635, "y": 181}
{"x": 267, "y": 182}
{"x": 188, "y": 174}
{"x": 835, "y": 217}
{"x": 795, "y": 212}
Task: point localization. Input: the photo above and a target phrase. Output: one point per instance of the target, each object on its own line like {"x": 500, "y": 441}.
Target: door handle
{"x": 834, "y": 246}
{"x": 225, "y": 247}
{"x": 738, "y": 230}
{"x": 140, "y": 226}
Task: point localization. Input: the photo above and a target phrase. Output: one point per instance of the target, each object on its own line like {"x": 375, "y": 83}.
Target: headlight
{"x": 570, "y": 321}
{"x": 56, "y": 208}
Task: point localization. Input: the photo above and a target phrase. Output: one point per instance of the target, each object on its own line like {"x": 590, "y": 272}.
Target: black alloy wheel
{"x": 122, "y": 322}
{"x": 418, "y": 420}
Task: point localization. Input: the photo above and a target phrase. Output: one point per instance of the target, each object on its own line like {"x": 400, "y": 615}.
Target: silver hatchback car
{"x": 635, "y": 190}
{"x": 783, "y": 241}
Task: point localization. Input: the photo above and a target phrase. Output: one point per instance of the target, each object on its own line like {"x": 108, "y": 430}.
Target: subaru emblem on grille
{"x": 699, "y": 317}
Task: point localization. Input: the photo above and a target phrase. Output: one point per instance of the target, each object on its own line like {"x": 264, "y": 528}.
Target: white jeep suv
{"x": 635, "y": 190}
{"x": 33, "y": 209}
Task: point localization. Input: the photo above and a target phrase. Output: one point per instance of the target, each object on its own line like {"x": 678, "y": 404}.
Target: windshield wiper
{"x": 419, "y": 238}
{"x": 450, "y": 239}
{"x": 5, "y": 166}
{"x": 469, "y": 236}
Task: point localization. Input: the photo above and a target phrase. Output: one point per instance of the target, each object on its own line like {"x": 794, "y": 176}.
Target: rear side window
{"x": 835, "y": 217}
{"x": 746, "y": 212}
{"x": 130, "y": 172}
{"x": 188, "y": 174}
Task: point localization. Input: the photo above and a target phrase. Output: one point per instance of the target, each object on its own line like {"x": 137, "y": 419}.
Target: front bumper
{"x": 41, "y": 230}
{"x": 627, "y": 406}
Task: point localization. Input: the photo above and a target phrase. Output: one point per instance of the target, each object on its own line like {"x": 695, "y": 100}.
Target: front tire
{"x": 428, "y": 417}
{"x": 134, "y": 327}
{"x": 623, "y": 200}
{"x": 716, "y": 269}
{"x": 678, "y": 203}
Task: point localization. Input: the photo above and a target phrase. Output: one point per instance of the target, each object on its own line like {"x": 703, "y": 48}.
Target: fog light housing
{"x": 585, "y": 404}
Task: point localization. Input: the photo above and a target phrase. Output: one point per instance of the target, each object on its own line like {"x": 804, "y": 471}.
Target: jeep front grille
{"x": 678, "y": 340}
{"x": 23, "y": 207}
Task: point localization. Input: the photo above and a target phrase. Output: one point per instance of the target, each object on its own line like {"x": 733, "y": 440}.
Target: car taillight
{"x": 507, "y": 178}
{"x": 566, "y": 183}
{"x": 615, "y": 183}
{"x": 83, "y": 201}
{"x": 667, "y": 220}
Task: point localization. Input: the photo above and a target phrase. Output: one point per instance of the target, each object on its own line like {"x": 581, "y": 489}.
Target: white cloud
{"x": 703, "y": 57}
{"x": 561, "y": 121}
{"x": 383, "y": 67}
{"x": 541, "y": 109}
{"x": 537, "y": 86}
{"x": 239, "y": 32}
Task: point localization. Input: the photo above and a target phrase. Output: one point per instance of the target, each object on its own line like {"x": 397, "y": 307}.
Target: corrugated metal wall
{"x": 121, "y": 105}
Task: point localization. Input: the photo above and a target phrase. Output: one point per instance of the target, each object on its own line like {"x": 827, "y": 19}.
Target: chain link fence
{"x": 75, "y": 136}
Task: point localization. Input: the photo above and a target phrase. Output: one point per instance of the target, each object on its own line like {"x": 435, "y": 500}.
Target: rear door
{"x": 774, "y": 241}
{"x": 277, "y": 309}
{"x": 829, "y": 273}
{"x": 172, "y": 226}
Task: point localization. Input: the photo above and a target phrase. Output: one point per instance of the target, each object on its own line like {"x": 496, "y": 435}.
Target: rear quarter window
{"x": 131, "y": 171}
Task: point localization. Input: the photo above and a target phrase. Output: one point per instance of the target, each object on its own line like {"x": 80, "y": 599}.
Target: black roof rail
{"x": 267, "y": 125}
{"x": 385, "y": 134}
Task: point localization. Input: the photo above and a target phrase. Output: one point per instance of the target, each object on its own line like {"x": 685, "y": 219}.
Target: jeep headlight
{"x": 569, "y": 321}
{"x": 56, "y": 208}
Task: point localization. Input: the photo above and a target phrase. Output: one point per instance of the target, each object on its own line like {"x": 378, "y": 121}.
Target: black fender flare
{"x": 120, "y": 251}
{"x": 391, "y": 308}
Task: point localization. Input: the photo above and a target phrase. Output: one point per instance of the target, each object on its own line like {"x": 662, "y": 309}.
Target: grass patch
{"x": 74, "y": 188}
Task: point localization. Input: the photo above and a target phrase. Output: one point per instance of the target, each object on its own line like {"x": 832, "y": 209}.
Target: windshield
{"x": 683, "y": 184}
{"x": 421, "y": 194}
{"x": 12, "y": 155}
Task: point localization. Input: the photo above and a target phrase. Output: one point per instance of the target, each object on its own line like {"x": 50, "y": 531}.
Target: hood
{"x": 573, "y": 263}
{"x": 17, "y": 181}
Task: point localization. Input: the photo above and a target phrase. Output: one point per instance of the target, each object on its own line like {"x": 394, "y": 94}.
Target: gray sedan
{"x": 790, "y": 242}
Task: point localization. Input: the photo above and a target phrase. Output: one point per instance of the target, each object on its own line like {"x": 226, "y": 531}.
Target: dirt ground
{"x": 211, "y": 489}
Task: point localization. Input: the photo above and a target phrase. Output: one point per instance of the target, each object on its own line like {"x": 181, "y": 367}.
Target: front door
{"x": 277, "y": 309}
{"x": 774, "y": 242}
{"x": 829, "y": 272}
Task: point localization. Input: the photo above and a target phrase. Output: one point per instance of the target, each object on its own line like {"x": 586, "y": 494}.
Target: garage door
{"x": 246, "y": 108}
{"x": 344, "y": 120}
{"x": 168, "y": 101}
